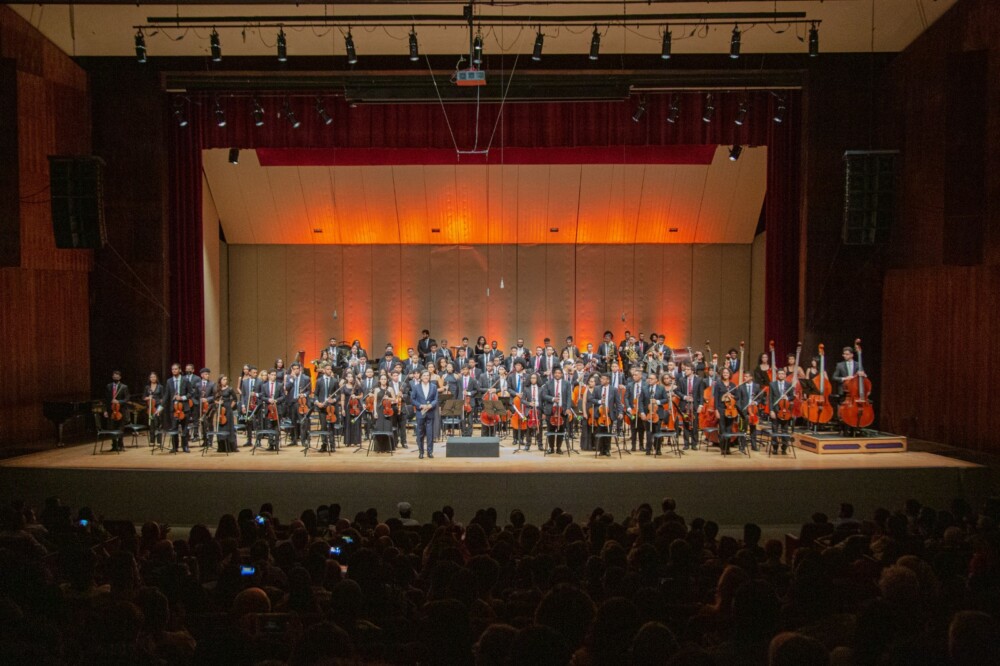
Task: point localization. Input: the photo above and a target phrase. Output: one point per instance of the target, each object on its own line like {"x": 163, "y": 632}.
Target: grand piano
{"x": 62, "y": 410}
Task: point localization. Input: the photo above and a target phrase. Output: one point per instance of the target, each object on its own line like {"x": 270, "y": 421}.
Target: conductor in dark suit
{"x": 178, "y": 390}
{"x": 116, "y": 393}
{"x": 425, "y": 401}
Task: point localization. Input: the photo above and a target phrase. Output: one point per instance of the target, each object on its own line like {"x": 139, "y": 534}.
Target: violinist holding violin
{"x": 749, "y": 397}
{"x": 692, "y": 394}
{"x": 324, "y": 399}
{"x": 557, "y": 399}
{"x": 178, "y": 405}
{"x": 781, "y": 409}
{"x": 226, "y": 406}
{"x": 727, "y": 406}
{"x": 607, "y": 406}
{"x": 384, "y": 410}
{"x": 205, "y": 389}
{"x": 635, "y": 407}
{"x": 249, "y": 396}
{"x": 272, "y": 395}
{"x": 656, "y": 397}
{"x": 350, "y": 408}
{"x": 116, "y": 408}
{"x": 298, "y": 404}
{"x": 153, "y": 396}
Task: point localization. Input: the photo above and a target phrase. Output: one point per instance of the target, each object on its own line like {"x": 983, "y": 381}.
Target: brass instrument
{"x": 631, "y": 354}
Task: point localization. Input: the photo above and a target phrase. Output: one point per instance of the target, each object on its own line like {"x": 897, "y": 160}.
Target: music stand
{"x": 494, "y": 407}
{"x": 452, "y": 414}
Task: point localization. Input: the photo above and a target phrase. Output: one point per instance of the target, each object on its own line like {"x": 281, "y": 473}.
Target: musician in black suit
{"x": 401, "y": 390}
{"x": 325, "y": 396}
{"x": 725, "y": 389}
{"x": 522, "y": 351}
{"x": 781, "y": 388}
{"x": 635, "y": 404}
{"x": 494, "y": 354}
{"x": 297, "y": 386}
{"x": 205, "y": 391}
{"x": 225, "y": 403}
{"x": 154, "y": 396}
{"x": 425, "y": 400}
{"x": 387, "y": 363}
{"x": 732, "y": 361}
{"x": 845, "y": 370}
{"x": 413, "y": 363}
{"x": 116, "y": 393}
{"x": 656, "y": 397}
{"x": 531, "y": 399}
{"x": 434, "y": 354}
{"x": 194, "y": 418}
{"x": 557, "y": 396}
{"x": 466, "y": 386}
{"x": 607, "y": 397}
{"x": 424, "y": 344}
{"x": 250, "y": 386}
{"x": 615, "y": 375}
{"x": 272, "y": 392}
{"x": 466, "y": 347}
{"x": 690, "y": 391}
{"x": 588, "y": 355}
{"x": 571, "y": 348}
{"x": 178, "y": 391}
{"x": 750, "y": 393}
{"x": 461, "y": 358}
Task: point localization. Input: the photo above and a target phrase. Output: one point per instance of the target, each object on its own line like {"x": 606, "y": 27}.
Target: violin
{"x": 303, "y": 404}
{"x": 731, "y": 410}
{"x": 116, "y": 411}
{"x": 653, "y": 415}
{"x": 557, "y": 419}
{"x": 532, "y": 418}
{"x": 603, "y": 419}
{"x": 179, "y": 409}
{"x": 223, "y": 414}
{"x": 818, "y": 408}
{"x": 331, "y": 413}
{"x": 467, "y": 404}
{"x": 673, "y": 402}
{"x": 856, "y": 408}
{"x": 272, "y": 411}
{"x": 354, "y": 406}
{"x": 370, "y": 403}
{"x": 387, "y": 409}
{"x": 252, "y": 402}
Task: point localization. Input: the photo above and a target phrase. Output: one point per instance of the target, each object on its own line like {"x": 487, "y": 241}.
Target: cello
{"x": 818, "y": 408}
{"x": 856, "y": 408}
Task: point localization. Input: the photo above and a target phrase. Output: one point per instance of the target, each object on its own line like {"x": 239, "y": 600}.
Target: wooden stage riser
{"x": 825, "y": 444}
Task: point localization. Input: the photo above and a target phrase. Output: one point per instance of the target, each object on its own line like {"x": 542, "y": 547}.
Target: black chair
{"x": 388, "y": 436}
{"x": 599, "y": 441}
{"x": 134, "y": 428}
{"x": 672, "y": 442}
{"x": 271, "y": 435}
{"x": 106, "y": 434}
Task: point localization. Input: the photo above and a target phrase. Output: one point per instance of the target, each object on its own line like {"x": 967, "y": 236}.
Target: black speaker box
{"x": 77, "y": 194}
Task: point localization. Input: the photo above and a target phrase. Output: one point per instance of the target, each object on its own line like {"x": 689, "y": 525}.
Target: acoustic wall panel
{"x": 282, "y": 298}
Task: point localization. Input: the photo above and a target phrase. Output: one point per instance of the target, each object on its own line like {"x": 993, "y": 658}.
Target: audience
{"x": 912, "y": 586}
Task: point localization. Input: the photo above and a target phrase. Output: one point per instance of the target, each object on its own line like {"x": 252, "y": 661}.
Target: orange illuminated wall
{"x": 283, "y": 298}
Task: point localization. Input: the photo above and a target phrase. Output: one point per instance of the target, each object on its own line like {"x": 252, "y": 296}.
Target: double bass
{"x": 818, "y": 408}
{"x": 856, "y": 408}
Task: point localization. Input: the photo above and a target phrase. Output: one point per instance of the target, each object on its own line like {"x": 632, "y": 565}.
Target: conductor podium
{"x": 473, "y": 447}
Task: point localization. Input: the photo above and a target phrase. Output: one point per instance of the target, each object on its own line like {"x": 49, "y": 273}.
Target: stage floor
{"x": 185, "y": 489}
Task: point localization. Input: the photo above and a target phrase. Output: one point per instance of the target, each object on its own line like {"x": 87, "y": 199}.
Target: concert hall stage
{"x": 184, "y": 489}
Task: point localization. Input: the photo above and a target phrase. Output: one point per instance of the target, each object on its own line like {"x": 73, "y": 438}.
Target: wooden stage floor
{"x": 405, "y": 461}
{"x": 185, "y": 489}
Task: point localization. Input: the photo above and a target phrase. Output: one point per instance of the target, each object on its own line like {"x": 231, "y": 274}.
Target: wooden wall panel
{"x": 357, "y": 294}
{"x": 282, "y": 298}
{"x": 472, "y": 278}
{"x": 677, "y": 285}
{"x": 755, "y": 338}
{"x": 560, "y": 311}
{"x": 589, "y": 294}
{"x": 442, "y": 289}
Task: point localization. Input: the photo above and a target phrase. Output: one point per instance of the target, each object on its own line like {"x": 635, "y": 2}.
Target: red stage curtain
{"x": 186, "y": 278}
{"x": 549, "y": 125}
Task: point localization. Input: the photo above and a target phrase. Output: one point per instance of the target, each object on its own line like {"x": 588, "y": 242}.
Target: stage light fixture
{"x": 709, "y": 109}
{"x": 595, "y": 44}
{"x": 477, "y": 50}
{"x": 179, "y": 116}
{"x": 414, "y": 48}
{"x": 234, "y": 155}
{"x": 140, "y": 47}
{"x": 536, "y": 53}
{"x": 321, "y": 110}
{"x": 290, "y": 117}
{"x": 779, "y": 111}
{"x": 258, "y": 114}
{"x": 282, "y": 46}
{"x": 741, "y": 114}
{"x": 813, "y": 41}
{"x": 734, "y": 43}
{"x": 735, "y": 152}
{"x": 674, "y": 113}
{"x": 639, "y": 111}
{"x": 220, "y": 115}
{"x": 352, "y": 54}
{"x": 668, "y": 44}
{"x": 216, "y": 46}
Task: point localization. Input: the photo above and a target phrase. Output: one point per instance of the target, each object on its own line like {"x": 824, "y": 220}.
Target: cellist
{"x": 781, "y": 389}
{"x": 531, "y": 398}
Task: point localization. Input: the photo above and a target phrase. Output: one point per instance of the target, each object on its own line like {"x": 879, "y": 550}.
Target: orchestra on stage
{"x": 632, "y": 396}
